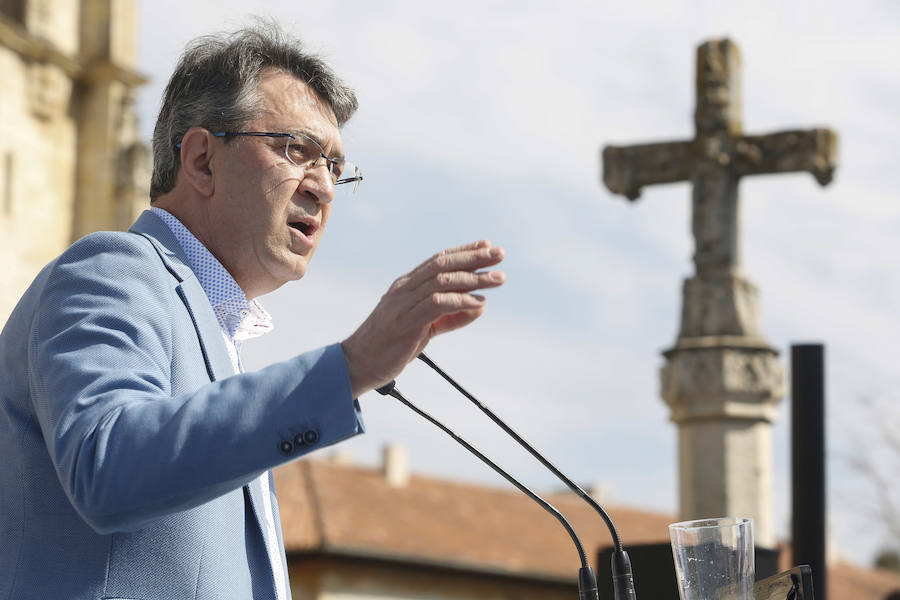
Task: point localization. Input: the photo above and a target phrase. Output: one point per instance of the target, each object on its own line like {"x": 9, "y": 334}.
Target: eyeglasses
{"x": 306, "y": 153}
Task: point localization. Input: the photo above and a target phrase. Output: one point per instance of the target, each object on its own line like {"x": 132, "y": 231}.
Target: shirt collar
{"x": 238, "y": 317}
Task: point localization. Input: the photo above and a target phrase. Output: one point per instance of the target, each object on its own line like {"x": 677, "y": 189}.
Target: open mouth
{"x": 306, "y": 229}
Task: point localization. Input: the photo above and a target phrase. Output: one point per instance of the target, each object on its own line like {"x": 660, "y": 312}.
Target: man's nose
{"x": 318, "y": 182}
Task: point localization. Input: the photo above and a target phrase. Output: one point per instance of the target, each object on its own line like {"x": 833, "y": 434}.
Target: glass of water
{"x": 714, "y": 558}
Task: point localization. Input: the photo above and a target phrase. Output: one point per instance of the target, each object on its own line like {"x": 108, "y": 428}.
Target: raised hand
{"x": 433, "y": 298}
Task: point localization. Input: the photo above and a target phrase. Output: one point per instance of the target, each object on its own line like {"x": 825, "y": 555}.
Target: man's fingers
{"x": 438, "y": 304}
{"x": 465, "y": 281}
{"x": 469, "y": 246}
{"x": 455, "y": 321}
{"x": 471, "y": 259}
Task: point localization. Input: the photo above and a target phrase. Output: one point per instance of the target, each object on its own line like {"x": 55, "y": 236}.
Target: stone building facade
{"x": 70, "y": 158}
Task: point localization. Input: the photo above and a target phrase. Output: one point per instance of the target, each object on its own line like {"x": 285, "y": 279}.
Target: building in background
{"x": 70, "y": 158}
{"x": 354, "y": 532}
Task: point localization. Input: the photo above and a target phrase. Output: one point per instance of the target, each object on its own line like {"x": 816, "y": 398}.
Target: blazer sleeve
{"x": 127, "y": 445}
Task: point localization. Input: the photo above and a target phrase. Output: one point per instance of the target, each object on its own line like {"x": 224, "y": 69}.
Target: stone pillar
{"x": 723, "y": 391}
{"x": 113, "y": 173}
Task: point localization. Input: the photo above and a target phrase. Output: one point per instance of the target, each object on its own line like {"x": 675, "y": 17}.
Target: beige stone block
{"x": 108, "y": 31}
{"x": 726, "y": 304}
{"x": 55, "y": 21}
{"x": 726, "y": 470}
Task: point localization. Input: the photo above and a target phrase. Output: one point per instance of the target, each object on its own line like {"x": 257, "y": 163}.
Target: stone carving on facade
{"x": 133, "y": 165}
{"x": 49, "y": 90}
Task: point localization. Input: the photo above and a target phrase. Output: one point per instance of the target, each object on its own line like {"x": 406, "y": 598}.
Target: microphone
{"x": 587, "y": 582}
{"x": 623, "y": 578}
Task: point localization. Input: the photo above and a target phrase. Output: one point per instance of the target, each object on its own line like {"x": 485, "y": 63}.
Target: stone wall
{"x": 70, "y": 158}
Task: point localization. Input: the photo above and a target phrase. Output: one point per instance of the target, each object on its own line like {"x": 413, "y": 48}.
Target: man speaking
{"x": 135, "y": 453}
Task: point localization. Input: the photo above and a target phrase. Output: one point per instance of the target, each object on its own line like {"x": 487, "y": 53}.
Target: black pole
{"x": 808, "y": 460}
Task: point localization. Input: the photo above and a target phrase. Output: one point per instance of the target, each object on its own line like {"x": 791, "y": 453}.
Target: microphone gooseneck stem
{"x": 623, "y": 579}
{"x": 391, "y": 390}
{"x": 617, "y": 543}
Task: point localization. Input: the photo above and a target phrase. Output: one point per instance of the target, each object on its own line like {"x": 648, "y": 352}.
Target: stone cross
{"x": 722, "y": 380}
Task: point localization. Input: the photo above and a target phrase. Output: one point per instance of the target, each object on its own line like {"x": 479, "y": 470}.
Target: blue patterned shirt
{"x": 239, "y": 318}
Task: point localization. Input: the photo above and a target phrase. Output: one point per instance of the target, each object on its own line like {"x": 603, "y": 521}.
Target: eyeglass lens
{"x": 306, "y": 153}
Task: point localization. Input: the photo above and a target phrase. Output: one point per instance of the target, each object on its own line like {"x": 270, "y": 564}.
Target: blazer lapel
{"x": 215, "y": 354}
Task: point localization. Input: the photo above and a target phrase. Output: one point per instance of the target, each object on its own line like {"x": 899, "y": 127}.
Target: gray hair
{"x": 215, "y": 83}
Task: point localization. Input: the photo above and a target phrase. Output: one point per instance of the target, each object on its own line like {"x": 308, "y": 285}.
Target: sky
{"x": 486, "y": 120}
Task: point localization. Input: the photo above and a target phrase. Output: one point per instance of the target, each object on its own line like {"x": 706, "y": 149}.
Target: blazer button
{"x": 286, "y": 447}
{"x": 311, "y": 436}
{"x": 298, "y": 441}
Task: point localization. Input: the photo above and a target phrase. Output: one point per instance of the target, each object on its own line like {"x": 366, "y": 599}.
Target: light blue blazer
{"x": 128, "y": 448}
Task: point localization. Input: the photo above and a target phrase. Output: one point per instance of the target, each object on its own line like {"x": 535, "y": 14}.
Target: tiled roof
{"x": 351, "y": 510}
{"x": 856, "y": 583}
{"x": 325, "y": 506}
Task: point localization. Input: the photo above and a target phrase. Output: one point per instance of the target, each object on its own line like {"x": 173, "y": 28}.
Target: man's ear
{"x": 196, "y": 160}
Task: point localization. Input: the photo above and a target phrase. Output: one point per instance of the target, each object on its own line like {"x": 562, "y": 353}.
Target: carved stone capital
{"x": 713, "y": 381}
